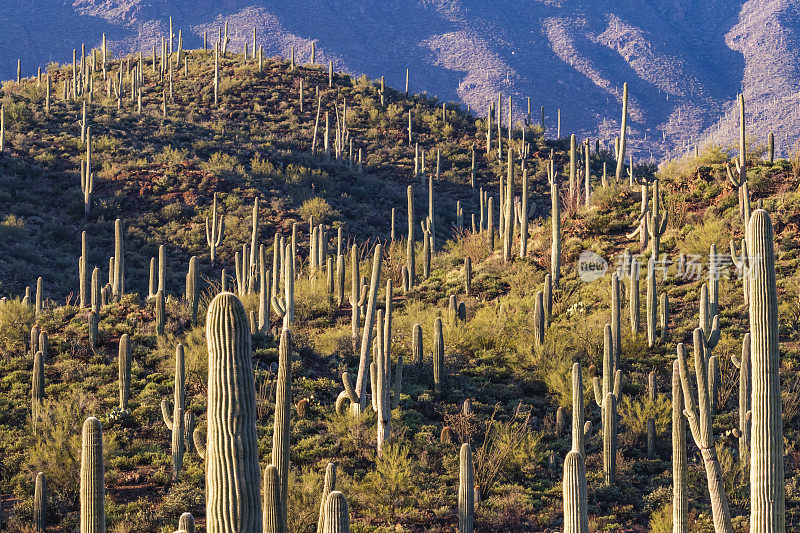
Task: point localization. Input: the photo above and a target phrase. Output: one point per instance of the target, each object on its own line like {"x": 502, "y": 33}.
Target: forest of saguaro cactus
{"x": 246, "y": 294}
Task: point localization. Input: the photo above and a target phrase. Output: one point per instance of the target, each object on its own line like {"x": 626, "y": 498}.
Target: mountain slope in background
{"x": 685, "y": 61}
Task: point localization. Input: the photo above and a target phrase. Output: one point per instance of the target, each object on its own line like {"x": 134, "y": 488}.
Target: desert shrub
{"x": 390, "y": 488}
{"x": 317, "y": 207}
{"x": 16, "y": 320}
{"x": 711, "y": 230}
{"x": 634, "y": 413}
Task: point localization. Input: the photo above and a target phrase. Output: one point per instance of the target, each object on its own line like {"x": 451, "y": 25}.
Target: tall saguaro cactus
{"x": 337, "y": 514}
{"x": 329, "y": 485}
{"x": 606, "y": 396}
{"x": 124, "y": 366}
{"x": 358, "y": 396}
{"x": 576, "y": 507}
{"x": 578, "y": 439}
{"x": 215, "y": 231}
{"x": 283, "y": 417}
{"x": 555, "y": 215}
{"x": 92, "y": 485}
{"x": 40, "y": 504}
{"x": 438, "y": 355}
{"x": 767, "y": 489}
{"x": 175, "y": 422}
{"x": 743, "y": 363}
{"x": 118, "y": 287}
{"x": 410, "y": 260}
{"x": 466, "y": 490}
{"x": 698, "y": 414}
{"x": 622, "y": 134}
{"x": 680, "y": 499}
{"x": 232, "y": 472}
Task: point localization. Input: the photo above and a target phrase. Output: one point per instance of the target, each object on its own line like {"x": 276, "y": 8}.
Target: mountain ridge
{"x": 685, "y": 61}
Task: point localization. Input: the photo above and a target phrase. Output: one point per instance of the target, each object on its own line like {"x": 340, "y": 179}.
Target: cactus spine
{"x": 767, "y": 489}
{"x": 92, "y": 486}
{"x": 698, "y": 414}
{"x": 680, "y": 499}
{"x": 283, "y": 417}
{"x": 466, "y": 490}
{"x": 576, "y": 507}
{"x": 232, "y": 478}
{"x": 124, "y": 367}
{"x": 40, "y": 504}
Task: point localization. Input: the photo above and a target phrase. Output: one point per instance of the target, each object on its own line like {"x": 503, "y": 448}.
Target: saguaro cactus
{"x": 738, "y": 177}
{"x": 698, "y": 414}
{"x": 680, "y": 499}
{"x": 622, "y": 133}
{"x": 118, "y": 287}
{"x": 745, "y": 391}
{"x": 40, "y": 504}
{"x": 358, "y": 400}
{"x": 124, "y": 367}
{"x": 232, "y": 473}
{"x": 328, "y": 486}
{"x": 577, "y": 410}
{"x": 37, "y": 386}
{"x": 192, "y": 293}
{"x": 215, "y": 231}
{"x": 576, "y": 506}
{"x": 273, "y": 514}
{"x": 438, "y": 355}
{"x": 606, "y": 396}
{"x": 186, "y": 523}
{"x": 652, "y": 301}
{"x": 616, "y": 318}
{"x": 175, "y": 422}
{"x": 337, "y": 514}
{"x": 555, "y": 215}
{"x": 92, "y": 485}
{"x": 283, "y": 417}
{"x": 767, "y": 489}
{"x": 466, "y": 490}
{"x": 633, "y": 289}
{"x": 538, "y": 319}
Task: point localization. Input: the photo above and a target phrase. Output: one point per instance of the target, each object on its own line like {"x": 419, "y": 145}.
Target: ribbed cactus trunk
{"x": 652, "y": 302}
{"x": 466, "y": 490}
{"x": 538, "y": 319}
{"x": 634, "y": 303}
{"x": 698, "y": 414}
{"x": 609, "y": 419}
{"x": 416, "y": 349}
{"x": 745, "y": 392}
{"x": 767, "y": 488}
{"x": 273, "y": 515}
{"x": 616, "y": 318}
{"x": 124, "y": 367}
{"x": 40, "y": 504}
{"x": 622, "y": 134}
{"x": 438, "y": 355}
{"x": 232, "y": 472}
{"x": 410, "y": 250}
{"x": 186, "y": 523}
{"x": 664, "y": 317}
{"x": 366, "y": 337}
{"x": 523, "y": 229}
{"x": 329, "y": 485}
{"x": 508, "y": 210}
{"x": 578, "y": 440}
{"x": 555, "y": 214}
{"x": 337, "y": 514}
{"x": 680, "y": 499}
{"x": 192, "y": 295}
{"x": 576, "y": 507}
{"x": 92, "y": 485}
{"x": 37, "y": 386}
{"x": 281, "y": 434}
{"x": 118, "y": 287}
